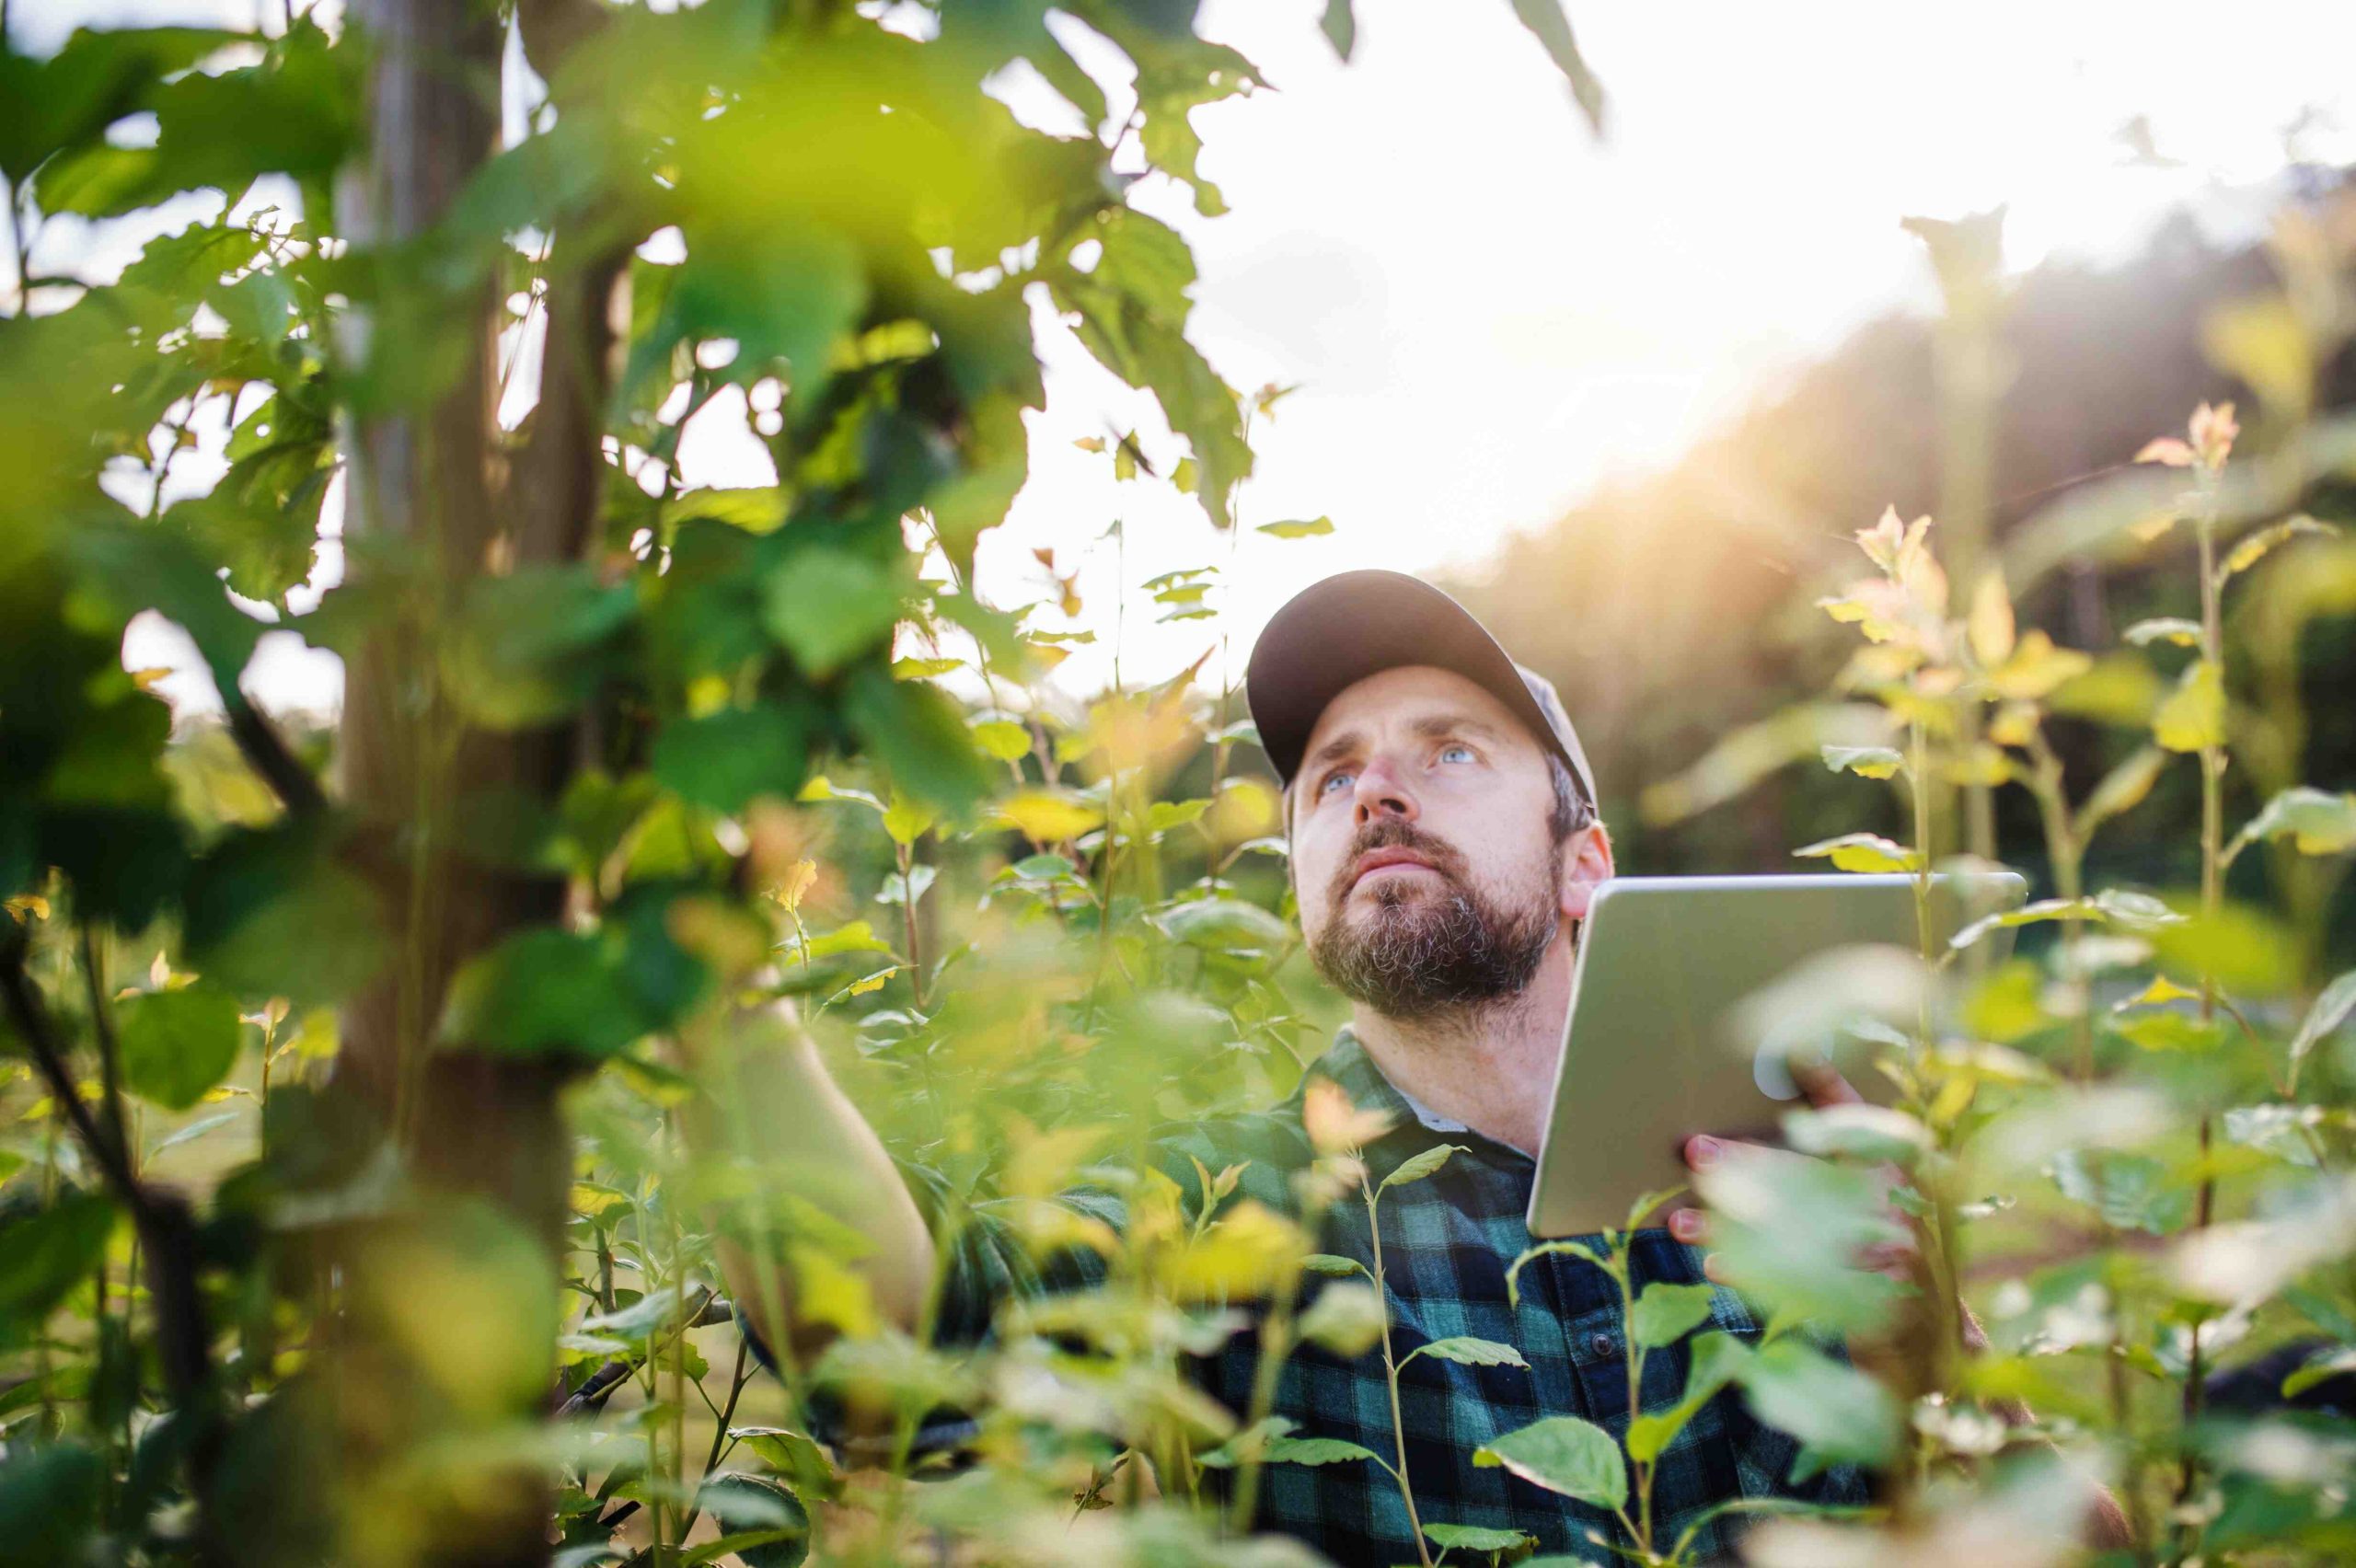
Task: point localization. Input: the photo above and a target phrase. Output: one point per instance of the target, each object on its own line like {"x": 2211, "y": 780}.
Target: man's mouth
{"x": 1375, "y": 860}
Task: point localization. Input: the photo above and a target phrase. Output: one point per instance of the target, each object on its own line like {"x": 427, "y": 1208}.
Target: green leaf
{"x": 543, "y": 990}
{"x": 2123, "y": 788}
{"x": 724, "y": 759}
{"x": 1544, "y": 17}
{"x": 1563, "y": 1453}
{"x": 1346, "y": 1319}
{"x": 1340, "y": 25}
{"x": 44, "y": 1252}
{"x": 1418, "y": 1165}
{"x": 759, "y": 1514}
{"x": 1869, "y": 762}
{"x": 1223, "y": 925}
{"x": 529, "y": 647}
{"x": 2247, "y": 553}
{"x": 918, "y": 736}
{"x": 2331, "y": 1010}
{"x": 1665, "y": 1313}
{"x": 2132, "y": 1191}
{"x": 1840, "y": 1414}
{"x": 1473, "y": 1538}
{"x": 1314, "y": 1451}
{"x": 2163, "y": 629}
{"x": 2192, "y": 718}
{"x": 177, "y": 1045}
{"x": 1332, "y": 1263}
{"x": 1717, "y": 1359}
{"x": 1305, "y": 529}
{"x": 905, "y": 821}
{"x": 828, "y": 606}
{"x": 1861, "y": 852}
{"x": 2316, "y": 822}
{"x": 2321, "y": 1367}
{"x": 96, "y": 78}
{"x": 1467, "y": 1351}
{"x": 1003, "y": 739}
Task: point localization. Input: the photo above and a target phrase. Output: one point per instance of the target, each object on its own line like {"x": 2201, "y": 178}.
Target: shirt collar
{"x": 1350, "y": 1066}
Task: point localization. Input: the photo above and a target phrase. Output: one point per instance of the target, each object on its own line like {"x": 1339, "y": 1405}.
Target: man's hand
{"x": 1901, "y": 1260}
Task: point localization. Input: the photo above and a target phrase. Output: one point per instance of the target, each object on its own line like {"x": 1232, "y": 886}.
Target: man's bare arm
{"x": 768, "y": 1106}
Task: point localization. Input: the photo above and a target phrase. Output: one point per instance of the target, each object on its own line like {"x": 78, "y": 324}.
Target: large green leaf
{"x": 1840, "y": 1414}
{"x": 828, "y": 606}
{"x": 1563, "y": 1454}
{"x": 724, "y": 759}
{"x": 177, "y": 1045}
{"x": 96, "y": 78}
{"x": 44, "y": 1252}
{"x": 1665, "y": 1313}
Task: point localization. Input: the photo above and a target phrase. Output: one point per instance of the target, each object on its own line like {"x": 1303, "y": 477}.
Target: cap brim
{"x": 1355, "y": 623}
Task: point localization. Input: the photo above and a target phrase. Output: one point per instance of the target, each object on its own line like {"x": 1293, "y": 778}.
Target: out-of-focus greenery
{"x": 344, "y": 1212}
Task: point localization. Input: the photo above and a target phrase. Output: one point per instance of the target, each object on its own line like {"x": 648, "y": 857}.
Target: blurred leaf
{"x": 1044, "y": 817}
{"x": 1665, "y": 1313}
{"x": 2165, "y": 629}
{"x": 1224, "y": 925}
{"x": 1300, "y": 530}
{"x": 1563, "y": 1454}
{"x": 2132, "y": 1191}
{"x": 2247, "y": 950}
{"x": 2331, "y": 1010}
{"x": 528, "y": 648}
{"x": 1003, "y": 739}
{"x": 1346, "y": 1319}
{"x": 2123, "y": 787}
{"x": 748, "y": 1506}
{"x": 1861, "y": 852}
{"x": 1870, "y": 761}
{"x": 1544, "y": 17}
{"x": 828, "y": 606}
{"x": 176, "y": 1044}
{"x": 2314, "y": 821}
{"x": 725, "y": 758}
{"x": 2254, "y": 548}
{"x": 2260, "y": 339}
{"x": 44, "y": 1252}
{"x": 2193, "y": 717}
{"x": 1840, "y": 1414}
{"x": 918, "y": 736}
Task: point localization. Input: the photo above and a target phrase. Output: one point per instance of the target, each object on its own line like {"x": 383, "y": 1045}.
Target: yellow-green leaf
{"x": 1003, "y": 739}
{"x": 2193, "y": 717}
{"x": 1046, "y": 817}
{"x": 906, "y": 821}
{"x": 1861, "y": 852}
{"x": 1300, "y": 529}
{"x": 1867, "y": 762}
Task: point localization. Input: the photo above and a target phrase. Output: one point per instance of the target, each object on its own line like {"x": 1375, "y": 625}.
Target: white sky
{"x": 1488, "y": 312}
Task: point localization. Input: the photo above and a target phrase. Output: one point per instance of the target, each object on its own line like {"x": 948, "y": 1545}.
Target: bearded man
{"x": 1445, "y": 848}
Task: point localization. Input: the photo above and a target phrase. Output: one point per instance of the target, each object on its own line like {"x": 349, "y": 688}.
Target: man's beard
{"x": 1416, "y": 953}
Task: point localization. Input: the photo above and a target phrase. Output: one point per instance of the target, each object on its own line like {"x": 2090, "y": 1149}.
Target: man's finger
{"x": 1822, "y": 1085}
{"x": 1687, "y": 1225}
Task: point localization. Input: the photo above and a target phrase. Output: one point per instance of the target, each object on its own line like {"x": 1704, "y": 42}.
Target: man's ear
{"x": 1587, "y": 867}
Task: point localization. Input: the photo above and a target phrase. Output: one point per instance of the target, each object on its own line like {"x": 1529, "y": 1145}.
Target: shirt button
{"x": 1601, "y": 1343}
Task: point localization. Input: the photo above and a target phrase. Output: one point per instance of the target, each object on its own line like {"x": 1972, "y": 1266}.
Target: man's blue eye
{"x": 1454, "y": 746}
{"x": 1324, "y": 783}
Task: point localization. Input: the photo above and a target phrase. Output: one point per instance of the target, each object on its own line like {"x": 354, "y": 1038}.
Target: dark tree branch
{"x": 267, "y": 753}
{"x": 165, "y": 1225}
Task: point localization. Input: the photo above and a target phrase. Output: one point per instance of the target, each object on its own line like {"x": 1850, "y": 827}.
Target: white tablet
{"x": 1659, "y": 1044}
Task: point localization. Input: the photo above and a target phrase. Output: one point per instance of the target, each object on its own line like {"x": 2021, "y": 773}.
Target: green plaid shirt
{"x": 1447, "y": 1242}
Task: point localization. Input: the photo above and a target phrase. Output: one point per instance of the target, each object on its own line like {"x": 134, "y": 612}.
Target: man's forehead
{"x": 1408, "y": 693}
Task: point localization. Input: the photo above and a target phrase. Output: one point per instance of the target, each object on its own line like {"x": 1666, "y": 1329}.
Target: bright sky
{"x": 1488, "y": 312}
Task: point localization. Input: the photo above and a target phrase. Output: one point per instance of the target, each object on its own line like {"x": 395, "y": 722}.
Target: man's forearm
{"x": 767, "y": 1105}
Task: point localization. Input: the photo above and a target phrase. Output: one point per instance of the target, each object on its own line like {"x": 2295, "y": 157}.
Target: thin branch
{"x": 267, "y": 753}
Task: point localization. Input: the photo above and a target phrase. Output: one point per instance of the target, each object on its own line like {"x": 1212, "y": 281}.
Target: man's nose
{"x": 1381, "y": 792}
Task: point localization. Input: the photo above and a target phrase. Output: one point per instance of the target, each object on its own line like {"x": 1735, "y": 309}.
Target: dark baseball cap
{"x": 1349, "y": 626}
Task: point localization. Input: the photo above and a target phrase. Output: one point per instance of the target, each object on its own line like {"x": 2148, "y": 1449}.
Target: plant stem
{"x": 2213, "y": 816}
{"x": 1390, "y": 1380}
